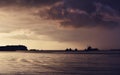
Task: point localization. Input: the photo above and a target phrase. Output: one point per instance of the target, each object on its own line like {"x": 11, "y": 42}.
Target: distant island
{"x": 13, "y": 48}
{"x": 89, "y": 48}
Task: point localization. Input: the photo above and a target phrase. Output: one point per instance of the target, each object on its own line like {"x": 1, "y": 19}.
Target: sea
{"x": 25, "y": 63}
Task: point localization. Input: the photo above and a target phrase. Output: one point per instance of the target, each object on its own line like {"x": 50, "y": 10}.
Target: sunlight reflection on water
{"x": 59, "y": 64}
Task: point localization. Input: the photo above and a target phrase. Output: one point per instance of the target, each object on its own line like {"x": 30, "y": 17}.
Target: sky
{"x": 60, "y": 24}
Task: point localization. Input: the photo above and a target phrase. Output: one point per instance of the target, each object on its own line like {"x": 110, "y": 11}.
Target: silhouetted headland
{"x": 13, "y": 48}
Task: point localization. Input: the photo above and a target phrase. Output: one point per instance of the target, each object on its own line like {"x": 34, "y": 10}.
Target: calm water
{"x": 18, "y": 63}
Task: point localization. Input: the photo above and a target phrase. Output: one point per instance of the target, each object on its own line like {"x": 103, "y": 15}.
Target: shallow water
{"x": 19, "y": 63}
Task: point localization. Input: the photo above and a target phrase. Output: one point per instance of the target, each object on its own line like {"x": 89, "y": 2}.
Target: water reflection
{"x": 65, "y": 64}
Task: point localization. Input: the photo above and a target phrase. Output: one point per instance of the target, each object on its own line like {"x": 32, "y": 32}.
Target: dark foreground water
{"x": 18, "y": 63}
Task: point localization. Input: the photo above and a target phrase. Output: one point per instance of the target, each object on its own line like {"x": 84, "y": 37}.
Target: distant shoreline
{"x": 63, "y": 52}
{"x": 73, "y": 52}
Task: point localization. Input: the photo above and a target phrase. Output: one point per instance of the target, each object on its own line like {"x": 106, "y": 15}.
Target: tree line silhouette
{"x": 13, "y": 48}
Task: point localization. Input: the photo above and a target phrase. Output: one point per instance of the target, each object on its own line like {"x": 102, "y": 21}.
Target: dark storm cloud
{"x": 87, "y": 13}
{"x": 74, "y": 13}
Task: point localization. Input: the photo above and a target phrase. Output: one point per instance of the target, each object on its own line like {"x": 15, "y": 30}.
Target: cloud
{"x": 71, "y": 13}
{"x": 85, "y": 14}
{"x": 27, "y": 2}
{"x": 43, "y": 20}
{"x": 24, "y": 34}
